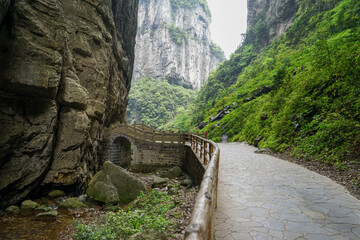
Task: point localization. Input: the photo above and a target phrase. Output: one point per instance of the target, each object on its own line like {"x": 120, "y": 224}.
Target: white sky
{"x": 228, "y": 23}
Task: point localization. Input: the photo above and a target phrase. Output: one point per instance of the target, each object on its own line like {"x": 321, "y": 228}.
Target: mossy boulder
{"x": 46, "y": 216}
{"x": 43, "y": 208}
{"x": 12, "y": 209}
{"x": 56, "y": 194}
{"x": 158, "y": 181}
{"x": 72, "y": 203}
{"x": 172, "y": 173}
{"x": 28, "y": 205}
{"x": 113, "y": 184}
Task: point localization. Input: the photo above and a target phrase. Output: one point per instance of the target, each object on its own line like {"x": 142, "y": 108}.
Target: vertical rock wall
{"x": 186, "y": 61}
{"x": 277, "y": 14}
{"x": 66, "y": 68}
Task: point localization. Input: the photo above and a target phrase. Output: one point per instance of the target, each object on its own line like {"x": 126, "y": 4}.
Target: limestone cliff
{"x": 276, "y": 15}
{"x": 66, "y": 68}
{"x": 173, "y": 42}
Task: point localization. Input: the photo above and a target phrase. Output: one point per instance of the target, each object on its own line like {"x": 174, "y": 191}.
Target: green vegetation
{"x": 156, "y": 102}
{"x": 177, "y": 4}
{"x": 312, "y": 72}
{"x": 217, "y": 51}
{"x": 177, "y": 34}
{"x": 146, "y": 214}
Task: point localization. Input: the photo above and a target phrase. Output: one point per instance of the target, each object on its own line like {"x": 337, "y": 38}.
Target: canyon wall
{"x": 66, "y": 69}
{"x": 174, "y": 43}
{"x": 277, "y": 15}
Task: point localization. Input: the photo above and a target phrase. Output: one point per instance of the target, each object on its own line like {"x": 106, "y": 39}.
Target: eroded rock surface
{"x": 66, "y": 69}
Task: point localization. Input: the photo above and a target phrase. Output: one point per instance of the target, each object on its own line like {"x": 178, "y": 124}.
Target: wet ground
{"x": 263, "y": 197}
{"x": 26, "y": 227}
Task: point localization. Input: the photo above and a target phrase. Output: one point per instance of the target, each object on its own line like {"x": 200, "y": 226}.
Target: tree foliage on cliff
{"x": 189, "y": 4}
{"x": 217, "y": 51}
{"x": 156, "y": 101}
{"x": 313, "y": 73}
{"x": 177, "y": 35}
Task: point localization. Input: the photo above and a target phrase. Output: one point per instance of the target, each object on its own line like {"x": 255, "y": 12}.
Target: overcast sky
{"x": 228, "y": 23}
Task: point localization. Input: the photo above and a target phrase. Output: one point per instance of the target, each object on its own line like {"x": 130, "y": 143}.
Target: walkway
{"x": 262, "y": 197}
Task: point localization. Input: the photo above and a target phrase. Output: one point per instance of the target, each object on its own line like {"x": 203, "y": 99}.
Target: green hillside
{"x": 299, "y": 95}
{"x": 156, "y": 102}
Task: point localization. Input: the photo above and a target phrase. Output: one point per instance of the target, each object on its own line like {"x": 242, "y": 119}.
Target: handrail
{"x": 201, "y": 226}
{"x": 146, "y": 133}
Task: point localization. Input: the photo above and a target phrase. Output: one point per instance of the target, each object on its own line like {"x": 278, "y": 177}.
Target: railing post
{"x": 197, "y": 144}
{"x": 205, "y": 158}
{"x": 172, "y": 137}
{"x": 162, "y": 137}
{"x": 211, "y": 150}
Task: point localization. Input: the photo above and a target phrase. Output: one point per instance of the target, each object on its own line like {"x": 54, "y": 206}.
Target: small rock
{"x": 172, "y": 173}
{"x": 186, "y": 182}
{"x": 28, "y": 205}
{"x": 42, "y": 208}
{"x": 46, "y": 216}
{"x": 12, "y": 209}
{"x": 258, "y": 140}
{"x": 72, "y": 203}
{"x": 56, "y": 194}
{"x": 178, "y": 236}
{"x": 158, "y": 181}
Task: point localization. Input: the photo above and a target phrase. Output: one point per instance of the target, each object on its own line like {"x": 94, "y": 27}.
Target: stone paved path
{"x": 262, "y": 197}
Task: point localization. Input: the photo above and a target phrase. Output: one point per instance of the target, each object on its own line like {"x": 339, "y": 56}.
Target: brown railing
{"x": 201, "y": 226}
{"x": 146, "y": 133}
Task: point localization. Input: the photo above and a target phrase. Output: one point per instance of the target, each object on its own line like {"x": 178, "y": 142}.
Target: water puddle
{"x": 26, "y": 227}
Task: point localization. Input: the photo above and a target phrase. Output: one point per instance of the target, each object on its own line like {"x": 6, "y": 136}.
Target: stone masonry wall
{"x": 157, "y": 154}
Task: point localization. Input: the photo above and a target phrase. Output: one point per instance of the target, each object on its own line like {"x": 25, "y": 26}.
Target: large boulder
{"x": 113, "y": 184}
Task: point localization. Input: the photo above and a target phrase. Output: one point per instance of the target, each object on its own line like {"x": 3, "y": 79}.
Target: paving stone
{"x": 242, "y": 236}
{"x": 261, "y": 236}
{"x": 318, "y": 236}
{"x": 315, "y": 215}
{"x": 304, "y": 227}
{"x": 356, "y": 231}
{"x": 274, "y": 224}
{"x": 277, "y": 234}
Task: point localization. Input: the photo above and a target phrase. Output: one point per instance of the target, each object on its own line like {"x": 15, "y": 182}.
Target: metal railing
{"x": 201, "y": 226}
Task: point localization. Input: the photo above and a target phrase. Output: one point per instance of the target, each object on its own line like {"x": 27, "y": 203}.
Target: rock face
{"x": 66, "y": 68}
{"x": 277, "y": 14}
{"x": 113, "y": 184}
{"x": 4, "y": 5}
{"x": 174, "y": 43}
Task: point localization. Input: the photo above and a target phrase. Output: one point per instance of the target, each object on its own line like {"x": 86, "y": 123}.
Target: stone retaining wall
{"x": 193, "y": 166}
{"x": 158, "y": 154}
